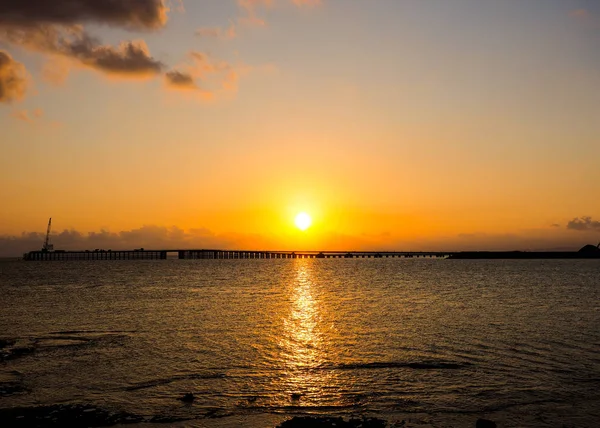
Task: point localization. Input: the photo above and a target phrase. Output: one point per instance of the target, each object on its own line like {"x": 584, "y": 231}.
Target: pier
{"x": 191, "y": 254}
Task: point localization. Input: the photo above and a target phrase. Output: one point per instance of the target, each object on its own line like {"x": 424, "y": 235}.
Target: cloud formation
{"x": 54, "y": 28}
{"x": 203, "y": 75}
{"x": 138, "y": 14}
{"x": 180, "y": 80}
{"x": 13, "y": 78}
{"x": 129, "y": 58}
{"x": 584, "y": 224}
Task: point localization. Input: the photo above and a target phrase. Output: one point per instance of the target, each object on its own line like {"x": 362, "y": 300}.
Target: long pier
{"x": 142, "y": 254}
{"x": 188, "y": 254}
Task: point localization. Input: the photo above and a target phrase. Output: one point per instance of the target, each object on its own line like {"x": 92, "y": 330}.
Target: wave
{"x": 417, "y": 365}
{"x": 307, "y": 408}
{"x": 166, "y": 381}
{"x": 61, "y": 332}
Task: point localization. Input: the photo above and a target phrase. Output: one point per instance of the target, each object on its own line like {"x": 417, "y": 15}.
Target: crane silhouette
{"x": 47, "y": 245}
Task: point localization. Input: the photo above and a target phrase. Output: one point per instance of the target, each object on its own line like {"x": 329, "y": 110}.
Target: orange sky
{"x": 392, "y": 123}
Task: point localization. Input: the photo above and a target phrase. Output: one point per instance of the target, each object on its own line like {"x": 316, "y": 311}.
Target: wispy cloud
{"x": 249, "y": 17}
{"x": 56, "y": 70}
{"x": 218, "y": 32}
{"x": 580, "y": 13}
{"x": 14, "y": 79}
{"x": 28, "y": 116}
{"x": 203, "y": 74}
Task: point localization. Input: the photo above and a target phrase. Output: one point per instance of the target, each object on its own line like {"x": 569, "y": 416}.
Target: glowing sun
{"x": 303, "y": 221}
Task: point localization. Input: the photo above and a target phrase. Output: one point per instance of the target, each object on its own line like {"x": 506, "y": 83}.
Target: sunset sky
{"x": 396, "y": 124}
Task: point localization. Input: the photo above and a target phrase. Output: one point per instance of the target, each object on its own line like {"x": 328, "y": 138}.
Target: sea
{"x": 415, "y": 342}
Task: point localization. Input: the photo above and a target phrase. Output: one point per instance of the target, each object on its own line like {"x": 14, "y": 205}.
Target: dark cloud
{"x": 180, "y": 80}
{"x": 129, "y": 58}
{"x": 583, "y": 224}
{"x": 54, "y": 27}
{"x": 140, "y": 14}
{"x": 13, "y": 78}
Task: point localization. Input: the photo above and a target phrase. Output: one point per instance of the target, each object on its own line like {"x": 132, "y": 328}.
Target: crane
{"x": 47, "y": 245}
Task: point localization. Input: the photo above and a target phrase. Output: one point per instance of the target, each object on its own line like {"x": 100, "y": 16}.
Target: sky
{"x": 395, "y": 124}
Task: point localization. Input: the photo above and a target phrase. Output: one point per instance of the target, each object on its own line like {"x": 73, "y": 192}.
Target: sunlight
{"x": 303, "y": 221}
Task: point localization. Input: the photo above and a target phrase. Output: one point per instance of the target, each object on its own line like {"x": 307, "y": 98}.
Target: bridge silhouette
{"x": 196, "y": 254}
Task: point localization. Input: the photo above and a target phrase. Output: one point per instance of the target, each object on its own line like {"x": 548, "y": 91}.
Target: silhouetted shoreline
{"x": 586, "y": 252}
{"x": 471, "y": 255}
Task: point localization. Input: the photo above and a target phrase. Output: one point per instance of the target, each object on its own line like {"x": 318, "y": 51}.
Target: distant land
{"x": 587, "y": 252}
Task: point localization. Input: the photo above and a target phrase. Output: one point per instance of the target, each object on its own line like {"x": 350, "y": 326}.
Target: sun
{"x": 303, "y": 221}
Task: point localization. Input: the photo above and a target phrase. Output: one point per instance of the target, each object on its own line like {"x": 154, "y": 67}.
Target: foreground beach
{"x": 91, "y": 416}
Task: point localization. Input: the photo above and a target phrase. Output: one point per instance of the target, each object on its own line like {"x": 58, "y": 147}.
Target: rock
{"x": 188, "y": 397}
{"x": 485, "y": 423}
{"x": 12, "y": 353}
{"x": 5, "y": 343}
{"x": 63, "y": 416}
{"x": 161, "y": 419}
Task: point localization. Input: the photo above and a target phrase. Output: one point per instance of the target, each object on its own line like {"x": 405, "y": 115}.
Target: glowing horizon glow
{"x": 302, "y": 221}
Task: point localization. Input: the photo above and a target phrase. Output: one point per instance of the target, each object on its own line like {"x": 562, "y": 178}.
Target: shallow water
{"x": 442, "y": 340}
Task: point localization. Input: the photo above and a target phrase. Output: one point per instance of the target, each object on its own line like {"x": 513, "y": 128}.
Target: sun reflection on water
{"x": 304, "y": 344}
{"x": 302, "y": 339}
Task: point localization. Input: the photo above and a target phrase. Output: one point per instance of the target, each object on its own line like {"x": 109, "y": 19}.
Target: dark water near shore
{"x": 441, "y": 341}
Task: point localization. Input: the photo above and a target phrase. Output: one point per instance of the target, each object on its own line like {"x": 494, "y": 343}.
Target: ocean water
{"x": 434, "y": 342}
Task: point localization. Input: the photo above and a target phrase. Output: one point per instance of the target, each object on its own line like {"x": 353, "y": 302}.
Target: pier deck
{"x": 188, "y": 254}
{"x": 218, "y": 254}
